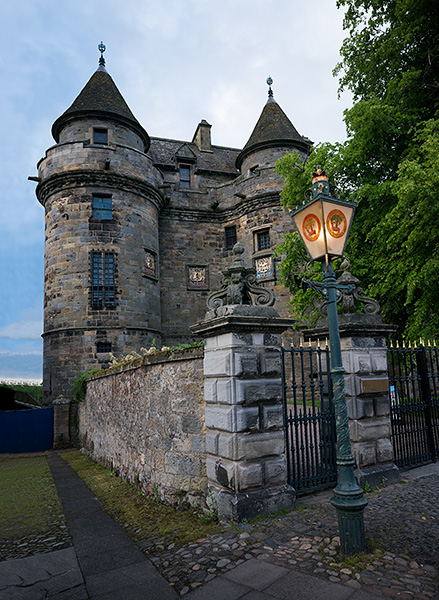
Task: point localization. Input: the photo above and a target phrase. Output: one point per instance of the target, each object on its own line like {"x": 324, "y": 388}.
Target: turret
{"x": 272, "y": 137}
{"x": 101, "y": 199}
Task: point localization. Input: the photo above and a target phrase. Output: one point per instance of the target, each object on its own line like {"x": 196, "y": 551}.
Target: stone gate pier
{"x": 245, "y": 439}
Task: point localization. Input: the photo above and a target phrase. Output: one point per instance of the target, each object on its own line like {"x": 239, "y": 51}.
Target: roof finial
{"x": 102, "y": 49}
{"x": 270, "y": 91}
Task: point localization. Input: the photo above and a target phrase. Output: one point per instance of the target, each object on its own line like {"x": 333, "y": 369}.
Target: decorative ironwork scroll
{"x": 240, "y": 285}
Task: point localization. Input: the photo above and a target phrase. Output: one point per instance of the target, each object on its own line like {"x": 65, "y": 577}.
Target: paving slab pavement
{"x": 259, "y": 580}
{"x": 52, "y": 575}
{"x": 111, "y": 564}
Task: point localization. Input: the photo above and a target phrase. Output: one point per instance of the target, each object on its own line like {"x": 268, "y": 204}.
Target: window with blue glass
{"x": 100, "y": 136}
{"x": 185, "y": 176}
{"x": 102, "y": 207}
{"x": 102, "y": 279}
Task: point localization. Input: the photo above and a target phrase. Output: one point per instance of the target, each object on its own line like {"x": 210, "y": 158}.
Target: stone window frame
{"x": 103, "y": 278}
{"x": 90, "y": 142}
{"x": 264, "y": 253}
{"x": 258, "y": 239}
{"x": 99, "y": 131}
{"x": 148, "y": 275}
{"x": 103, "y": 347}
{"x": 191, "y": 287}
{"x": 104, "y": 210}
{"x": 187, "y": 168}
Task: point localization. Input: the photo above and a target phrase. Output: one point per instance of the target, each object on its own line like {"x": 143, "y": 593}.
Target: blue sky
{"x": 175, "y": 63}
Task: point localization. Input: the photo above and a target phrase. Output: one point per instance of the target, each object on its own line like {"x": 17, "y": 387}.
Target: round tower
{"x": 101, "y": 199}
{"x": 261, "y": 226}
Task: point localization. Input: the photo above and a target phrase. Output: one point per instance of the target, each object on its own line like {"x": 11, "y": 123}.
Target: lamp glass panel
{"x": 337, "y": 219}
{"x": 310, "y": 225}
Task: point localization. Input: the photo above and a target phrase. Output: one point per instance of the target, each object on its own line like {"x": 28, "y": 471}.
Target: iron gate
{"x": 414, "y": 401}
{"x": 309, "y": 418}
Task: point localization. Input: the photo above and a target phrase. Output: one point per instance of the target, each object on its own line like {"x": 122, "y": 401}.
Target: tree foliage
{"x": 390, "y": 161}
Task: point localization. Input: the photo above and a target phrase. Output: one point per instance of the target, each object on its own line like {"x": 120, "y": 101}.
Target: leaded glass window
{"x": 103, "y": 279}
{"x": 230, "y": 233}
{"x": 102, "y": 207}
{"x": 185, "y": 176}
{"x": 263, "y": 240}
{"x": 103, "y": 347}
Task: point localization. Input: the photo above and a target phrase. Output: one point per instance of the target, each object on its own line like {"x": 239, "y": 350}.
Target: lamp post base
{"x": 349, "y": 502}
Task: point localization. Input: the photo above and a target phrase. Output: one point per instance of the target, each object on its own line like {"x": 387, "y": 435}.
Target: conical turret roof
{"x": 273, "y": 129}
{"x": 101, "y": 98}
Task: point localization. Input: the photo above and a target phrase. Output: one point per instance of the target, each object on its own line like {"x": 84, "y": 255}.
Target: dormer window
{"x": 185, "y": 176}
{"x": 100, "y": 136}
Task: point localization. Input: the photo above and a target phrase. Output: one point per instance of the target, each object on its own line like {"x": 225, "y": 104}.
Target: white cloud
{"x": 22, "y": 330}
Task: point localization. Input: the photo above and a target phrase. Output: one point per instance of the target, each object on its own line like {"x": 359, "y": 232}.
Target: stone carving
{"x": 264, "y": 267}
{"x": 197, "y": 277}
{"x": 352, "y": 295}
{"x": 240, "y": 286}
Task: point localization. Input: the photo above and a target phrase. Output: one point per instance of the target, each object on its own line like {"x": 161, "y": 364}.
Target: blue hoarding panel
{"x": 26, "y": 430}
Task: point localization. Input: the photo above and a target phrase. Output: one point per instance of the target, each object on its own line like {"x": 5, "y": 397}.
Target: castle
{"x": 138, "y": 229}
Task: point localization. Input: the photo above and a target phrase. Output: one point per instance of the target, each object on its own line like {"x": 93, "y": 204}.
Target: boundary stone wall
{"x": 145, "y": 420}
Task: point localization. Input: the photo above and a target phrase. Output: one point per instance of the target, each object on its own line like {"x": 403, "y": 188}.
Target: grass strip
{"x": 29, "y": 502}
{"x": 143, "y": 518}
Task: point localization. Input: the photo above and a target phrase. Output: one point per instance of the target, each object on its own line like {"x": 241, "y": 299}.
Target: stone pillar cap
{"x": 242, "y": 318}
{"x": 61, "y": 400}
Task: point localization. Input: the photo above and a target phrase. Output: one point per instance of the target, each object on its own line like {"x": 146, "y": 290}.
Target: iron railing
{"x": 414, "y": 403}
{"x": 309, "y": 418}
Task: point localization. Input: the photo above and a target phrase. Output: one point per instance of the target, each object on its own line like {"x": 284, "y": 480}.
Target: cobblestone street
{"x": 401, "y": 522}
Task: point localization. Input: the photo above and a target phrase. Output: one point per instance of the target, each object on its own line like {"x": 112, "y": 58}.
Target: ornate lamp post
{"x": 323, "y": 224}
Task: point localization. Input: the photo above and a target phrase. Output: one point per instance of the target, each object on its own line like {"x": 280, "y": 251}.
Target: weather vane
{"x": 270, "y": 82}
{"x": 102, "y": 49}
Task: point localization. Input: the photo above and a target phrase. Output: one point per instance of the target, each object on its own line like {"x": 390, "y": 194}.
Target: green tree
{"x": 390, "y": 62}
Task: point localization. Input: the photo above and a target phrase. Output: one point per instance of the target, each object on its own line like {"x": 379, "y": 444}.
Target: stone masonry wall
{"x": 145, "y": 420}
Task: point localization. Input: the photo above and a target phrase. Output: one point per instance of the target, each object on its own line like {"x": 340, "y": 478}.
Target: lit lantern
{"x": 323, "y": 223}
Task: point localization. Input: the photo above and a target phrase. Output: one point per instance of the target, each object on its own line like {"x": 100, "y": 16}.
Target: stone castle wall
{"x": 145, "y": 420}
{"x": 186, "y": 241}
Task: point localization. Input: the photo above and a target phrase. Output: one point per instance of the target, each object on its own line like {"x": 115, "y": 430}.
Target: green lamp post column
{"x": 323, "y": 224}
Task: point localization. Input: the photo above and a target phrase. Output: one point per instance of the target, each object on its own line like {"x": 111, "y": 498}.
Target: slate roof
{"x": 101, "y": 98}
{"x": 272, "y": 129}
{"x": 221, "y": 159}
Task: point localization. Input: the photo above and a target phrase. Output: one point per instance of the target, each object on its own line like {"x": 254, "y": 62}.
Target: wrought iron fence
{"x": 309, "y": 418}
{"x": 414, "y": 402}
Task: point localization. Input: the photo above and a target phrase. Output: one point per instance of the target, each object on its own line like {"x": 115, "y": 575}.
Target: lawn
{"x": 31, "y": 518}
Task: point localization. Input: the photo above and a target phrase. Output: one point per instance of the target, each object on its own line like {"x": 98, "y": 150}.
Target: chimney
{"x": 202, "y": 137}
